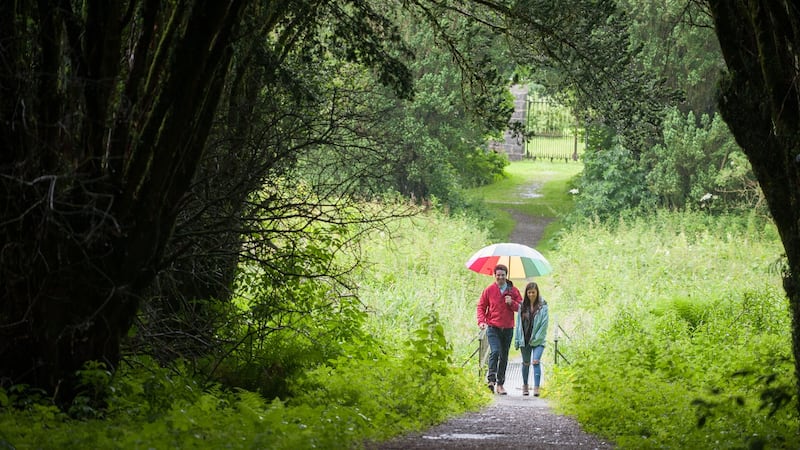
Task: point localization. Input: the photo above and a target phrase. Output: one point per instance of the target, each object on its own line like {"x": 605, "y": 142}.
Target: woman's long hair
{"x": 526, "y": 302}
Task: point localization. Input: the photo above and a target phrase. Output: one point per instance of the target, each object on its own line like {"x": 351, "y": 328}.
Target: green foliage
{"x": 392, "y": 389}
{"x": 438, "y": 140}
{"x": 687, "y": 310}
{"x": 679, "y": 332}
{"x": 613, "y": 181}
{"x": 291, "y": 312}
{"x": 480, "y": 168}
{"x": 678, "y": 45}
{"x": 429, "y": 342}
{"x": 431, "y": 146}
{"x": 699, "y": 164}
{"x": 94, "y": 387}
{"x": 588, "y": 59}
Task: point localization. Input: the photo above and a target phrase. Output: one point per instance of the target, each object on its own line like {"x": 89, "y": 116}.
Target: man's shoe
{"x": 500, "y": 389}
{"x": 491, "y": 387}
{"x": 525, "y": 389}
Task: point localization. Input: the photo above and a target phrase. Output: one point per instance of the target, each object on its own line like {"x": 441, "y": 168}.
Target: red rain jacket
{"x": 492, "y": 307}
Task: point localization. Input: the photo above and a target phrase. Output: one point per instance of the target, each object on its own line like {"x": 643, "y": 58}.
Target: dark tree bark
{"x": 760, "y": 101}
{"x": 105, "y": 114}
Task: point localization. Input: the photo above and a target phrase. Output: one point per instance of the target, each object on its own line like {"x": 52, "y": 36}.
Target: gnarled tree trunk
{"x": 760, "y": 101}
{"x": 105, "y": 113}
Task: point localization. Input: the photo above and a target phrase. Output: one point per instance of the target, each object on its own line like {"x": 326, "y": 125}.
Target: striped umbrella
{"x": 521, "y": 260}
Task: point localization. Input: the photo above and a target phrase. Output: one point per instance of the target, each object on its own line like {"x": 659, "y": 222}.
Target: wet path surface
{"x": 512, "y": 421}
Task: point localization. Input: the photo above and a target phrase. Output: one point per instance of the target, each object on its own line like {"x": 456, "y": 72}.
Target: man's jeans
{"x": 499, "y": 345}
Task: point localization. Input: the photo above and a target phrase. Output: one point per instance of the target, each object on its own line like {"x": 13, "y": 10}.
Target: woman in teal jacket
{"x": 531, "y": 333}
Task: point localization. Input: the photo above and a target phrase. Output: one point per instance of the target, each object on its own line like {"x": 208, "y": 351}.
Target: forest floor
{"x": 511, "y": 421}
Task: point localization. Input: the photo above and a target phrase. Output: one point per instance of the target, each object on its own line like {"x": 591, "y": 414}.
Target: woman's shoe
{"x": 491, "y": 386}
{"x": 525, "y": 389}
{"x": 500, "y": 389}
{"x": 536, "y": 391}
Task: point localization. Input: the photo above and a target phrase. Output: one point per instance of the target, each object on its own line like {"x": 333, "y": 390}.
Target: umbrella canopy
{"x": 521, "y": 260}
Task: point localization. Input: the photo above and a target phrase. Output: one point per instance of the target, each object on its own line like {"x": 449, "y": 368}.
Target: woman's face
{"x": 532, "y": 293}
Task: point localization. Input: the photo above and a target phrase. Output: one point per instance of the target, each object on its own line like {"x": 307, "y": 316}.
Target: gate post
{"x": 555, "y": 350}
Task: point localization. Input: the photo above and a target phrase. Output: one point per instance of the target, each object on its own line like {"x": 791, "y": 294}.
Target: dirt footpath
{"x": 512, "y": 421}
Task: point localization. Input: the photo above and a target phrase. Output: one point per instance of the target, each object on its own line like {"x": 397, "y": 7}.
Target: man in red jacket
{"x": 496, "y": 308}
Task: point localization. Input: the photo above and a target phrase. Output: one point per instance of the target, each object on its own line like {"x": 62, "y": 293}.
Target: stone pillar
{"x": 514, "y": 145}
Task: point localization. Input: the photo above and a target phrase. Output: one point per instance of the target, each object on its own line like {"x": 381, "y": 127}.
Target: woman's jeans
{"x": 535, "y": 354}
{"x": 499, "y": 345}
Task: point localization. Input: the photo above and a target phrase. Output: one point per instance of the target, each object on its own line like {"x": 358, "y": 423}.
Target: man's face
{"x": 500, "y": 277}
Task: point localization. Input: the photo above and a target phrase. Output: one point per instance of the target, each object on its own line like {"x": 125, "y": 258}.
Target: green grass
{"x": 524, "y": 178}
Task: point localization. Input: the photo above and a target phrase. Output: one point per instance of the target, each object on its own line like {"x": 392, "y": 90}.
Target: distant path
{"x": 511, "y": 421}
{"x": 528, "y": 230}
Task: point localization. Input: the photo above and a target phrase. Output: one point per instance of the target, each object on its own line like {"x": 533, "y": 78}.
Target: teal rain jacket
{"x": 539, "y": 330}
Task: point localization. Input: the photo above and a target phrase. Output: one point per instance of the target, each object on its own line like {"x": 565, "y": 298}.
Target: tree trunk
{"x": 760, "y": 101}
{"x": 92, "y": 184}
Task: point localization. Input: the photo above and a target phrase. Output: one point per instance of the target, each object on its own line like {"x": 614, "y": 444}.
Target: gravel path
{"x": 511, "y": 421}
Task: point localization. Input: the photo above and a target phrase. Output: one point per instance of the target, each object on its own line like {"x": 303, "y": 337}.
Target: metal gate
{"x": 553, "y": 133}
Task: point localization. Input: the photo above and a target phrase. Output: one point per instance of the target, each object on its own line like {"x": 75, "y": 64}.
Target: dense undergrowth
{"x": 679, "y": 333}
{"x": 406, "y": 367}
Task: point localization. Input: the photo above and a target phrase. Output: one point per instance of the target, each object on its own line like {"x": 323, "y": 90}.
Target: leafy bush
{"x": 699, "y": 164}
{"x": 481, "y": 167}
{"x": 613, "y": 180}
{"x": 370, "y": 391}
{"x": 692, "y": 312}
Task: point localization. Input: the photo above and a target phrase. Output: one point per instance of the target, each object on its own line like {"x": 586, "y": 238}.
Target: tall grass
{"x": 420, "y": 269}
{"x": 679, "y": 330}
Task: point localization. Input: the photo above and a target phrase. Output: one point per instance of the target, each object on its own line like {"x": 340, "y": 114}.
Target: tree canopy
{"x": 150, "y": 147}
